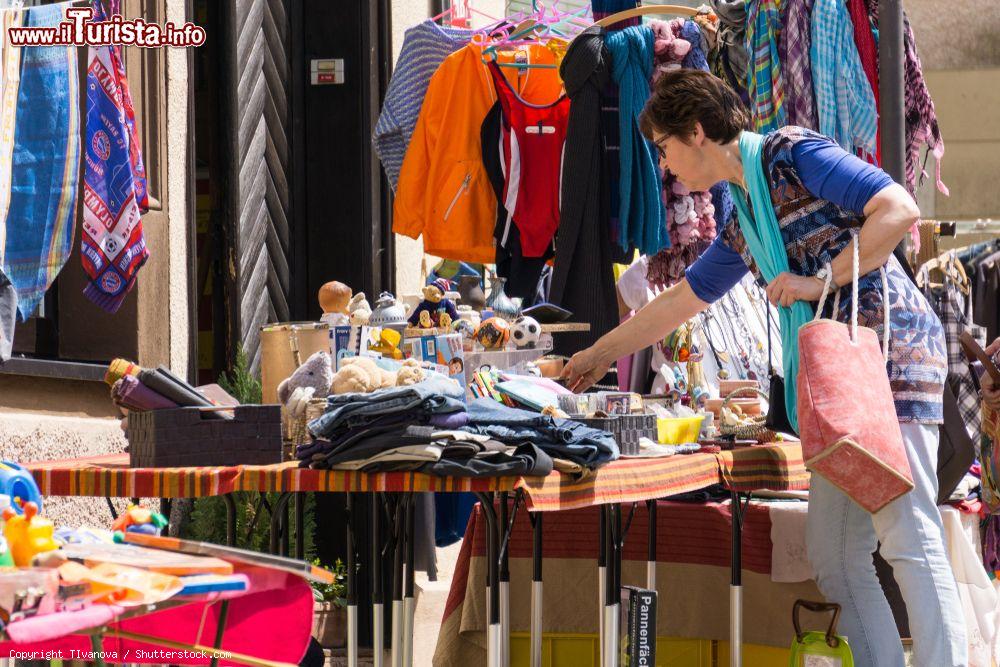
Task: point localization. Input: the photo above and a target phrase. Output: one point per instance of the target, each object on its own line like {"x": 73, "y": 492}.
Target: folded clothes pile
{"x": 559, "y": 438}
{"x": 417, "y": 428}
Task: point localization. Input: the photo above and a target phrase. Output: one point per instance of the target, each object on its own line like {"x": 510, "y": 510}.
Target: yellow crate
{"x": 582, "y": 650}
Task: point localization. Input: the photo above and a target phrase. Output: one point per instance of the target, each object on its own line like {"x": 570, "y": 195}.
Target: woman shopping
{"x": 822, "y": 197}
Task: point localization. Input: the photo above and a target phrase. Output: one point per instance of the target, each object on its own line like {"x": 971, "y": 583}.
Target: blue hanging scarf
{"x": 763, "y": 236}
{"x": 642, "y": 219}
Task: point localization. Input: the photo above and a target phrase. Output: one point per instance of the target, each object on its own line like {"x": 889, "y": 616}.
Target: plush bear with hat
{"x": 435, "y": 310}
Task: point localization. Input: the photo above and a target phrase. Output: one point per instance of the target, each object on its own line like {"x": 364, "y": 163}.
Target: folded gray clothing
{"x": 523, "y": 460}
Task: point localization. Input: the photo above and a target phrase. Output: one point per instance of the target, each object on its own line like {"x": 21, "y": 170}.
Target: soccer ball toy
{"x": 493, "y": 334}
{"x": 526, "y": 332}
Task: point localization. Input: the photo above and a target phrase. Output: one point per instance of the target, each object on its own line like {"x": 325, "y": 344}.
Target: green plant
{"x": 241, "y": 383}
{"x": 335, "y": 592}
{"x": 253, "y": 521}
{"x": 207, "y": 522}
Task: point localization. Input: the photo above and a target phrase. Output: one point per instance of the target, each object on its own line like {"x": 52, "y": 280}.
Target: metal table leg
{"x": 398, "y": 519}
{"x": 220, "y": 631}
{"x": 378, "y": 628}
{"x": 230, "y": 519}
{"x": 279, "y": 523}
{"x": 503, "y": 578}
{"x": 409, "y": 602}
{"x": 602, "y": 566}
{"x": 493, "y": 597}
{"x": 300, "y": 533}
{"x": 651, "y": 546}
{"x": 613, "y": 586}
{"x": 536, "y": 588}
{"x": 736, "y": 584}
{"x": 352, "y": 591}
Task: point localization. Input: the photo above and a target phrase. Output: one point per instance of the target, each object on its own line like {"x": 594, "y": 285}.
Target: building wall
{"x": 47, "y": 418}
{"x": 960, "y": 52}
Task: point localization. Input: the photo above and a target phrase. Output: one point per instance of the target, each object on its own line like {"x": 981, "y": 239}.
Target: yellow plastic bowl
{"x": 678, "y": 430}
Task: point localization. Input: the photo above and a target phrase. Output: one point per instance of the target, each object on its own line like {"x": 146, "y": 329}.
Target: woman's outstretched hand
{"x": 788, "y": 288}
{"x": 585, "y": 369}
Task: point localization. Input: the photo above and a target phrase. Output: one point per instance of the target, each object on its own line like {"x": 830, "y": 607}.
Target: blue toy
{"x": 18, "y": 483}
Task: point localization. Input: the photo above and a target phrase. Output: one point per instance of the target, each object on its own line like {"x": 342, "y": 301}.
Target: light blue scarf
{"x": 763, "y": 236}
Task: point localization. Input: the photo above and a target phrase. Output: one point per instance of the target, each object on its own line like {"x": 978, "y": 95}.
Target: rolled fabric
{"x": 130, "y": 393}
{"x": 118, "y": 369}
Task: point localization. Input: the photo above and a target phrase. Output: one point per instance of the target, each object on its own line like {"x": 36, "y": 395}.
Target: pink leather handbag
{"x": 847, "y": 419}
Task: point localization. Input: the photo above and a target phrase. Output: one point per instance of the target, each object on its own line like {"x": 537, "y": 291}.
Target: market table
{"x": 741, "y": 471}
{"x": 693, "y": 544}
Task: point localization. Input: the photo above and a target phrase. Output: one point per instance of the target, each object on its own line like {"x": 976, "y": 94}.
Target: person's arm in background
{"x": 829, "y": 172}
{"x": 713, "y": 274}
{"x": 991, "y": 391}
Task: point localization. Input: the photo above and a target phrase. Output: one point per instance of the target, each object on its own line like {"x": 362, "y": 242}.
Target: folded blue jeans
{"x": 559, "y": 438}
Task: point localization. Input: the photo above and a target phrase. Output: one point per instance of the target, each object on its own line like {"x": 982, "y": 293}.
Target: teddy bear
{"x": 315, "y": 374}
{"x": 409, "y": 373}
{"x": 360, "y": 375}
{"x": 435, "y": 310}
{"x": 359, "y": 310}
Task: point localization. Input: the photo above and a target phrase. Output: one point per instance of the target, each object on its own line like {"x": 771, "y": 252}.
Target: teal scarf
{"x": 763, "y": 236}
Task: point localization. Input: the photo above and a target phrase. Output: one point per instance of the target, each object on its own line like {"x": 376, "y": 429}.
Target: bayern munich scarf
{"x": 113, "y": 247}
{"x": 40, "y": 135}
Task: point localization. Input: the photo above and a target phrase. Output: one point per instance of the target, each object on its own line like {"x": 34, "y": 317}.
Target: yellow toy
{"x": 27, "y": 534}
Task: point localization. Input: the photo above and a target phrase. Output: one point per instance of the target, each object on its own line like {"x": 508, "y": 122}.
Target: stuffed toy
{"x": 316, "y": 374}
{"x": 434, "y": 310}
{"x": 409, "y": 373}
{"x": 334, "y": 298}
{"x": 359, "y": 310}
{"x": 361, "y": 375}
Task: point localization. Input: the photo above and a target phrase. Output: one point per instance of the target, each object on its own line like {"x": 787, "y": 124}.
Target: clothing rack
{"x": 643, "y": 11}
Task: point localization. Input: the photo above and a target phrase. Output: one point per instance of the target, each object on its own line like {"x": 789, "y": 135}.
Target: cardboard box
{"x": 443, "y": 353}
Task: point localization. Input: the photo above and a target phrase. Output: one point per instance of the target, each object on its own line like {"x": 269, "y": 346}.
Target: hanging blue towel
{"x": 641, "y": 216}
{"x": 763, "y": 235}
{"x": 46, "y": 164}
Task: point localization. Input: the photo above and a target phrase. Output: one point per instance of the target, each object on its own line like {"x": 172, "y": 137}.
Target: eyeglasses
{"x": 660, "y": 148}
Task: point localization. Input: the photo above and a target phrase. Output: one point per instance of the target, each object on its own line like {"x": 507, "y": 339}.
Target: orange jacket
{"x": 443, "y": 190}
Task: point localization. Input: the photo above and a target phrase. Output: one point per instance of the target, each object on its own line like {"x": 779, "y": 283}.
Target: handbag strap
{"x": 855, "y": 270}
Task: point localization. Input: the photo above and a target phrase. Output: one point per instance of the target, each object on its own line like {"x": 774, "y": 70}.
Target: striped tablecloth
{"x": 626, "y": 480}
{"x": 775, "y": 468}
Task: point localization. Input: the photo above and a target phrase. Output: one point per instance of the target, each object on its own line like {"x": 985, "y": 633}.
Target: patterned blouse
{"x": 815, "y": 231}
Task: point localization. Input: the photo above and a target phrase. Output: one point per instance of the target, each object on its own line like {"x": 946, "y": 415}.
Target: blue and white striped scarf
{"x": 845, "y": 102}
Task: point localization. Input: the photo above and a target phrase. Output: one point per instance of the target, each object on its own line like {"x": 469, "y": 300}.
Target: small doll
{"x": 334, "y": 297}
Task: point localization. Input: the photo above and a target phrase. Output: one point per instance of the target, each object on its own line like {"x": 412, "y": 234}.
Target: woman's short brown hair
{"x": 684, "y": 97}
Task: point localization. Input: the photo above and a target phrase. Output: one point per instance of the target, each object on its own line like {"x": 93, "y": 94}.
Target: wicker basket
{"x": 627, "y": 429}
{"x": 183, "y": 437}
{"x": 756, "y": 429}
{"x": 295, "y": 430}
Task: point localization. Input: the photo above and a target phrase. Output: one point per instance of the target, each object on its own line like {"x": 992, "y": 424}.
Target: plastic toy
{"x": 18, "y": 483}
{"x": 138, "y": 519}
{"x": 27, "y": 534}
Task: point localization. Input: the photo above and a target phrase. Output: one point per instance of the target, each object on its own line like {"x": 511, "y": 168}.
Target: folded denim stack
{"x": 413, "y": 429}
{"x": 559, "y": 438}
